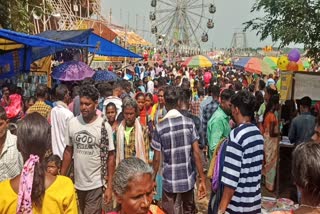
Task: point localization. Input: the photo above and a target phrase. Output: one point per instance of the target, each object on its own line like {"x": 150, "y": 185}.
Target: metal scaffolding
{"x": 72, "y": 13}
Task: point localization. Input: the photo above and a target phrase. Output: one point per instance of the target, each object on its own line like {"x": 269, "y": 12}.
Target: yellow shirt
{"x": 40, "y": 107}
{"x": 60, "y": 197}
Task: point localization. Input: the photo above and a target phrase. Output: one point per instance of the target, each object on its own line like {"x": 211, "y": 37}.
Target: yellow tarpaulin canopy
{"x": 8, "y": 45}
{"x": 132, "y": 38}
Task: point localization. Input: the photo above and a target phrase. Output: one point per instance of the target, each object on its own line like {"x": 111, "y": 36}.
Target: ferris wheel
{"x": 181, "y": 24}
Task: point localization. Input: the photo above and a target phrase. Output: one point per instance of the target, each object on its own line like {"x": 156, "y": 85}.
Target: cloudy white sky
{"x": 228, "y": 19}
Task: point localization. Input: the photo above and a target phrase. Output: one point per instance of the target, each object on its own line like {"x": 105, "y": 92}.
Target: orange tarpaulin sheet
{"x": 99, "y": 28}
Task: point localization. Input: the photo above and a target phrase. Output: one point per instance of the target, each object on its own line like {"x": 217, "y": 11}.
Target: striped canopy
{"x": 254, "y": 65}
{"x": 198, "y": 61}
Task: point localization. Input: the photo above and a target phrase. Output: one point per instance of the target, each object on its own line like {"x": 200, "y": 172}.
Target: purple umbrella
{"x": 72, "y": 71}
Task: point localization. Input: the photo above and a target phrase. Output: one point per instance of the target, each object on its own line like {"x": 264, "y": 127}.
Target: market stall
{"x": 98, "y": 44}
{"x": 103, "y": 51}
{"x": 19, "y": 50}
{"x": 293, "y": 86}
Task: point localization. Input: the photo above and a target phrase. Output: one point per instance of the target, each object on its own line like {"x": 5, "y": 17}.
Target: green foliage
{"x": 4, "y": 13}
{"x": 20, "y": 17}
{"x": 14, "y": 14}
{"x": 289, "y": 21}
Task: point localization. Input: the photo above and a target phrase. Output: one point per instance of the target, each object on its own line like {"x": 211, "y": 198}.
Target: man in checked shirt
{"x": 11, "y": 161}
{"x": 175, "y": 139}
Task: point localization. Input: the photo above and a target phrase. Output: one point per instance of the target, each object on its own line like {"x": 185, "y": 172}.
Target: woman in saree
{"x": 159, "y": 110}
{"x": 270, "y": 132}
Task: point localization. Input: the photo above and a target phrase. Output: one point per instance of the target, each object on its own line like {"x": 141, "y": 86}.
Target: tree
{"x": 289, "y": 21}
{"x": 14, "y": 14}
{"x": 4, "y": 13}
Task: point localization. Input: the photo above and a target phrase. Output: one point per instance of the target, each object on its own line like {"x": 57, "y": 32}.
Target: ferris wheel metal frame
{"x": 181, "y": 25}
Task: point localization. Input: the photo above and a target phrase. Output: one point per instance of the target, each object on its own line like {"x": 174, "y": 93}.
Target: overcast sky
{"x": 228, "y": 19}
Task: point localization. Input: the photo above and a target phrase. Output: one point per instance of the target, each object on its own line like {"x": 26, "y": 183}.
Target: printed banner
{"x": 286, "y": 85}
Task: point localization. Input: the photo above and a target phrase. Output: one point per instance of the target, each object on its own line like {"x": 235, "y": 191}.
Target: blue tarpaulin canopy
{"x": 98, "y": 44}
{"x": 107, "y": 48}
{"x": 77, "y": 36}
{"x": 74, "y": 36}
{"x": 13, "y": 62}
{"x": 10, "y": 38}
{"x": 18, "y": 49}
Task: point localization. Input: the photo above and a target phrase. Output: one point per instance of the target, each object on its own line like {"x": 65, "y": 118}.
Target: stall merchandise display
{"x": 271, "y": 205}
{"x": 29, "y": 82}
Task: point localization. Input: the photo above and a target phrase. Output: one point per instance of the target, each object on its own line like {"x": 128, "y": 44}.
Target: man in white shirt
{"x": 115, "y": 98}
{"x": 152, "y": 73}
{"x": 142, "y": 71}
{"x": 84, "y": 142}
{"x": 60, "y": 116}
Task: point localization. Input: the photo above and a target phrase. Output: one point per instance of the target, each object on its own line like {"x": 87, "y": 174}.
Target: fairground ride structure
{"x": 181, "y": 25}
{"x": 68, "y": 14}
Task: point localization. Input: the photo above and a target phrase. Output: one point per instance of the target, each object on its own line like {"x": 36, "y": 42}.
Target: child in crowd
{"x": 54, "y": 168}
{"x": 54, "y": 165}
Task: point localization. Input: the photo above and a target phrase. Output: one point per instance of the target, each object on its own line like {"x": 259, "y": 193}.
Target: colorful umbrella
{"x": 198, "y": 61}
{"x": 254, "y": 65}
{"x": 72, "y": 71}
{"x": 272, "y": 61}
{"x": 241, "y": 62}
{"x": 105, "y": 76}
{"x": 258, "y": 66}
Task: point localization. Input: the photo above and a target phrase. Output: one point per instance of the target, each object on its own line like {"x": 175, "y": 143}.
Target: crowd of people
{"x": 152, "y": 145}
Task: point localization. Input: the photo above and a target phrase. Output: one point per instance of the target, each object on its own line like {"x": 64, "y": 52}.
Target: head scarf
{"x": 25, "y": 186}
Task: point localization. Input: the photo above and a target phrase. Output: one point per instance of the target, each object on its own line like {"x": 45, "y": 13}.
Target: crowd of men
{"x": 173, "y": 119}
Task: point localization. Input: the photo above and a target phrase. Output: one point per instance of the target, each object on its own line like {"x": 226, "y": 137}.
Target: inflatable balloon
{"x": 283, "y": 62}
{"x": 292, "y": 66}
{"x": 300, "y": 66}
{"x": 294, "y": 55}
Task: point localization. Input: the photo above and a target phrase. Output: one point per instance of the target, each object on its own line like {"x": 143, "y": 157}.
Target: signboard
{"x": 286, "y": 85}
{"x": 307, "y": 84}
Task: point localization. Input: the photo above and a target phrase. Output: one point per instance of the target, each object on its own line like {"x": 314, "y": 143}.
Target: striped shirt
{"x": 242, "y": 169}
